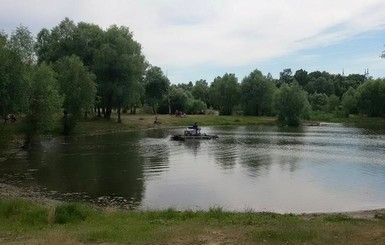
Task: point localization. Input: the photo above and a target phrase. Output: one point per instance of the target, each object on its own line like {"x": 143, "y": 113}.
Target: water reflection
{"x": 100, "y": 169}
{"x": 194, "y": 146}
{"x": 326, "y": 168}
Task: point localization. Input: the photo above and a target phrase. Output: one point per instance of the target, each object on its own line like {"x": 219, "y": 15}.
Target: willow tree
{"x": 16, "y": 58}
{"x": 225, "y": 93}
{"x": 119, "y": 66}
{"x": 78, "y": 87}
{"x": 156, "y": 87}
{"x": 44, "y": 105}
{"x": 290, "y": 103}
{"x": 257, "y": 94}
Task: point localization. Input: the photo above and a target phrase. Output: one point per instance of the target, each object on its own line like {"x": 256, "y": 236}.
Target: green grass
{"x": 77, "y": 223}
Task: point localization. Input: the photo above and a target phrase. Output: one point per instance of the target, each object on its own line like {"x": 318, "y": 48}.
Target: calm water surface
{"x": 311, "y": 169}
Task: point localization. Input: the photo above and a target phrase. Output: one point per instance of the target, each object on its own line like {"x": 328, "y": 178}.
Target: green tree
{"x": 22, "y": 43}
{"x": 333, "y": 103}
{"x": 318, "y": 101}
{"x": 55, "y": 44}
{"x": 178, "y": 98}
{"x": 44, "y": 103}
{"x": 285, "y": 76}
{"x": 119, "y": 67}
{"x": 200, "y": 91}
{"x": 156, "y": 87}
{"x": 13, "y": 82}
{"x": 349, "y": 101}
{"x": 371, "y": 97}
{"x": 320, "y": 85}
{"x": 257, "y": 94}
{"x": 301, "y": 76}
{"x": 68, "y": 39}
{"x": 87, "y": 38}
{"x": 225, "y": 93}
{"x": 290, "y": 103}
{"x": 78, "y": 87}
{"x": 197, "y": 107}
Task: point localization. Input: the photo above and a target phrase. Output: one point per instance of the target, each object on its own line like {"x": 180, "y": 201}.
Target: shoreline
{"x": 145, "y": 122}
{"x": 8, "y": 191}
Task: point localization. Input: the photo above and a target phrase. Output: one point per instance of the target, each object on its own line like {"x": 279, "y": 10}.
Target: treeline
{"x": 74, "y": 70}
{"x": 290, "y": 98}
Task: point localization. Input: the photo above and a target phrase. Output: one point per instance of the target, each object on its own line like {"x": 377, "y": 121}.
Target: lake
{"x": 262, "y": 168}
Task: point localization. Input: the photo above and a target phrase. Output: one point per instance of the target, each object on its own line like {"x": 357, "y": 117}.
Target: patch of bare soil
{"x": 10, "y": 191}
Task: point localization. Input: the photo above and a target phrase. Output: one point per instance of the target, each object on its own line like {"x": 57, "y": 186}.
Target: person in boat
{"x": 195, "y": 126}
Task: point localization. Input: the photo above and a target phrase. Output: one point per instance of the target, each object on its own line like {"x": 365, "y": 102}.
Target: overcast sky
{"x": 202, "y": 39}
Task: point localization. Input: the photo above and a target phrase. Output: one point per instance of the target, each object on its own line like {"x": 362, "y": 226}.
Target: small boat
{"x": 193, "y": 134}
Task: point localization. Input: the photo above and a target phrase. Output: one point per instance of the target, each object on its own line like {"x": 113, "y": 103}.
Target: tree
{"x": 119, "y": 67}
{"x": 186, "y": 86}
{"x": 13, "y": 82}
{"x": 290, "y": 102}
{"x": 257, "y": 94}
{"x": 320, "y": 85}
{"x": 78, "y": 87}
{"x": 349, "y": 102}
{"x": 318, "y": 101}
{"x": 200, "y": 91}
{"x": 68, "y": 39}
{"x": 285, "y": 76}
{"x": 156, "y": 87}
{"x": 197, "y": 107}
{"x": 371, "y": 97}
{"x": 301, "y": 77}
{"x": 333, "y": 103}
{"x": 22, "y": 43}
{"x": 87, "y": 38}
{"x": 44, "y": 103}
{"x": 55, "y": 44}
{"x": 178, "y": 99}
{"x": 225, "y": 93}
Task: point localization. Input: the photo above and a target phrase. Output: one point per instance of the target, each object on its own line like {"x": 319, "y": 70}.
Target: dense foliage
{"x": 82, "y": 69}
{"x": 290, "y": 103}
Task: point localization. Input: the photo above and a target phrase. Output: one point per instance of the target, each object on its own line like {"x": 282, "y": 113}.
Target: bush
{"x": 71, "y": 212}
{"x": 197, "y": 107}
{"x": 23, "y": 212}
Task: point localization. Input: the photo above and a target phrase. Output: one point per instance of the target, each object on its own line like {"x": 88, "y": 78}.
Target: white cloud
{"x": 181, "y": 33}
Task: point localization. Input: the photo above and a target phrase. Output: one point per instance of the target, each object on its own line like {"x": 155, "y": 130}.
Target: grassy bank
{"x": 10, "y": 132}
{"x": 22, "y": 222}
{"x": 135, "y": 122}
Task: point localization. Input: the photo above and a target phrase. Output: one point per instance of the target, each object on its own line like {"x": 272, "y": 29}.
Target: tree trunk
{"x": 99, "y": 113}
{"x": 119, "y": 118}
{"x": 169, "y": 105}
{"x": 107, "y": 114}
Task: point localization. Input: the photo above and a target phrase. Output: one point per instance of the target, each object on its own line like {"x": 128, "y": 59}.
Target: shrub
{"x": 23, "y": 212}
{"x": 71, "y": 212}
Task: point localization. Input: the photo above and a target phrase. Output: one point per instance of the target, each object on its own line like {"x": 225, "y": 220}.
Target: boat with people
{"x": 193, "y": 133}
